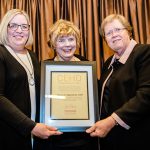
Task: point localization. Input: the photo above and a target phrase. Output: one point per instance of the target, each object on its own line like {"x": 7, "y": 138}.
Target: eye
{"x": 25, "y": 26}
{"x": 117, "y": 29}
{"x": 71, "y": 39}
{"x": 108, "y": 33}
{"x": 13, "y": 25}
{"x": 61, "y": 40}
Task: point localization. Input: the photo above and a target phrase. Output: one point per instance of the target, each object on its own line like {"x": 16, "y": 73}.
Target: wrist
{"x": 115, "y": 122}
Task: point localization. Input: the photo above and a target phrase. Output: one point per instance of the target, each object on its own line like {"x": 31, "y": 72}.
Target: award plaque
{"x": 69, "y": 98}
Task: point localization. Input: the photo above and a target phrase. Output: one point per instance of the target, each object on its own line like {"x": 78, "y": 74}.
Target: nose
{"x": 67, "y": 43}
{"x": 19, "y": 29}
{"x": 114, "y": 33}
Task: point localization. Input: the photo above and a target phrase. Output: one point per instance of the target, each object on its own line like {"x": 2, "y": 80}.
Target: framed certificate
{"x": 69, "y": 98}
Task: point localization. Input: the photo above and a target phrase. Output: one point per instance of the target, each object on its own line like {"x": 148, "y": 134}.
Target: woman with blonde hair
{"x": 61, "y": 33}
{"x": 19, "y": 85}
{"x": 64, "y": 38}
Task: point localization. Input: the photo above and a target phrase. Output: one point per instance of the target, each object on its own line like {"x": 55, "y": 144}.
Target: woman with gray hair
{"x": 124, "y": 90}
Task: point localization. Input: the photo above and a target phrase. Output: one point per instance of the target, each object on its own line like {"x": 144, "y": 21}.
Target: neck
{"x": 119, "y": 52}
{"x": 59, "y": 58}
{"x": 21, "y": 50}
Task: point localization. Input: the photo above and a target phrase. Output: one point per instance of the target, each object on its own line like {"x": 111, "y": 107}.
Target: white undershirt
{"x": 25, "y": 60}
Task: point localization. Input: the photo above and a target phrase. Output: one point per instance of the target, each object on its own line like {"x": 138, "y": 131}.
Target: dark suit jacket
{"x": 129, "y": 98}
{"x": 15, "y": 107}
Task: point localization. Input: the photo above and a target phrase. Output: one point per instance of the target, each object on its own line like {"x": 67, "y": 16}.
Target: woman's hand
{"x": 102, "y": 127}
{"x": 43, "y": 131}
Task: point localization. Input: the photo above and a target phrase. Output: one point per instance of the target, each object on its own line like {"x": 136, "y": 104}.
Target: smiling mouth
{"x": 18, "y": 37}
{"x": 67, "y": 50}
{"x": 116, "y": 40}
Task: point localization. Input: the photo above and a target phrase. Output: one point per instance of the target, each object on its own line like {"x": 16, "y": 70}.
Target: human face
{"x": 65, "y": 47}
{"x": 117, "y": 36}
{"x": 17, "y": 38}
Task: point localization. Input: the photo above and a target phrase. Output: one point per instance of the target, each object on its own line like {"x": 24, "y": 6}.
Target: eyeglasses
{"x": 14, "y": 26}
{"x": 115, "y": 30}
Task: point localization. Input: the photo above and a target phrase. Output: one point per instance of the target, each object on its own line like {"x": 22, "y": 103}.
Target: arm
{"x": 12, "y": 115}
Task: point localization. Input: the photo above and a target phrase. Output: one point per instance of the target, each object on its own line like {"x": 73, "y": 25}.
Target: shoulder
{"x": 33, "y": 57}
{"x": 32, "y": 54}
{"x": 2, "y": 48}
{"x": 3, "y": 51}
{"x": 51, "y": 59}
{"x": 141, "y": 48}
{"x": 141, "y": 51}
{"x": 80, "y": 57}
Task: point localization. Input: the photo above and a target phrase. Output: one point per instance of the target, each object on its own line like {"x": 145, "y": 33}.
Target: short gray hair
{"x": 111, "y": 18}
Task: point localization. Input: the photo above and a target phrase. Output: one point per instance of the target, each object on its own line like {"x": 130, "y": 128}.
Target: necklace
{"x": 31, "y": 78}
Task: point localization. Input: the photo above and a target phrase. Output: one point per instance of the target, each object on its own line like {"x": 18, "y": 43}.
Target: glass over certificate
{"x": 72, "y": 87}
{"x": 69, "y": 99}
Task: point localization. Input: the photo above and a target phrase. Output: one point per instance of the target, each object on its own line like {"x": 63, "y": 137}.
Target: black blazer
{"x": 129, "y": 98}
{"x": 15, "y": 107}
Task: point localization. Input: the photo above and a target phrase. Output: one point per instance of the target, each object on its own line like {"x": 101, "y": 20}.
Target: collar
{"x": 126, "y": 53}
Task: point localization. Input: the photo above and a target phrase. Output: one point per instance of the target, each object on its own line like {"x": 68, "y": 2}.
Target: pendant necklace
{"x": 31, "y": 78}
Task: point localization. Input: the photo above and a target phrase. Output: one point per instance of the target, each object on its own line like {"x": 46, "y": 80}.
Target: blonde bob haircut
{"x": 4, "y": 25}
{"x": 63, "y": 28}
{"x": 113, "y": 17}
